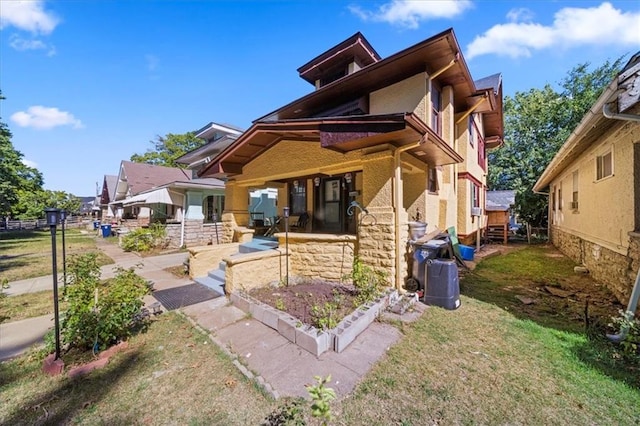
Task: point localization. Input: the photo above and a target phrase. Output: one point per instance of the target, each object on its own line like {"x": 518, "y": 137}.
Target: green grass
{"x": 172, "y": 374}
{"x": 28, "y": 305}
{"x": 483, "y": 363}
{"x": 27, "y": 254}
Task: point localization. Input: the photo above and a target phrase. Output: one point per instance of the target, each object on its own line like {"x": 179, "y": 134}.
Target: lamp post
{"x": 63, "y": 220}
{"x": 53, "y": 215}
{"x": 285, "y": 211}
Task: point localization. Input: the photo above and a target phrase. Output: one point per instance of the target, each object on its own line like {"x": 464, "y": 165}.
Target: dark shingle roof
{"x": 141, "y": 176}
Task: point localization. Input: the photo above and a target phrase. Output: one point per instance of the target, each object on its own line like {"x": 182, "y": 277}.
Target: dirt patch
{"x": 310, "y": 302}
{"x": 539, "y": 283}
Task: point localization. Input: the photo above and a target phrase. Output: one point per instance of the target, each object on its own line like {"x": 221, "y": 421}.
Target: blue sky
{"x": 89, "y": 83}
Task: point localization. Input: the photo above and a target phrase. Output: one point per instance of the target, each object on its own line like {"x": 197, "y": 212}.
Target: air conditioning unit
{"x": 476, "y": 211}
{"x": 574, "y": 205}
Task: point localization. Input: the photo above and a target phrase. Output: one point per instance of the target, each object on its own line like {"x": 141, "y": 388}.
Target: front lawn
{"x": 27, "y": 254}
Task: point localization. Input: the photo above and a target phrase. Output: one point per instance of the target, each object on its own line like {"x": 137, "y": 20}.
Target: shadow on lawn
{"x": 66, "y": 401}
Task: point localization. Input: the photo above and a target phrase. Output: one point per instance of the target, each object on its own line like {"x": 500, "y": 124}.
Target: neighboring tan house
{"x": 593, "y": 184}
{"x": 379, "y": 143}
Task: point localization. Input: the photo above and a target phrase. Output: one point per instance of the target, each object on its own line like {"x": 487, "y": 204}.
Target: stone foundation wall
{"x": 615, "y": 270}
{"x": 319, "y": 256}
{"x": 254, "y": 270}
{"x": 196, "y": 233}
{"x": 203, "y": 259}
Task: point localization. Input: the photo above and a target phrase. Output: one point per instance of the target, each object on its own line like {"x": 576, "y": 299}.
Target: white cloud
{"x": 40, "y": 117}
{"x": 600, "y": 25}
{"x": 22, "y": 44}
{"x": 30, "y": 163}
{"x": 28, "y": 16}
{"x": 409, "y": 13}
{"x": 520, "y": 15}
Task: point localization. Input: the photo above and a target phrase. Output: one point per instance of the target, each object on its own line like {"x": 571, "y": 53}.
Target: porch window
{"x": 604, "y": 165}
{"x": 435, "y": 110}
{"x": 212, "y": 205}
{"x": 298, "y": 196}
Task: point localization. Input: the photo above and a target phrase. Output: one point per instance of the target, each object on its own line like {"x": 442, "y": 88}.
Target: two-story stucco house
{"x": 376, "y": 144}
{"x": 593, "y": 184}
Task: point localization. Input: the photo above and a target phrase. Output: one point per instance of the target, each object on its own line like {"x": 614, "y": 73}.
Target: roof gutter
{"x": 609, "y": 113}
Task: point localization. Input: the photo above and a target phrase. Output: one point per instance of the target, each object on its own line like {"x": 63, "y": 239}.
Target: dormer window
{"x": 331, "y": 77}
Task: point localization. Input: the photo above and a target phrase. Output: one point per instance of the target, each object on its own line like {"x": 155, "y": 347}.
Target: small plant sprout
{"x": 321, "y": 396}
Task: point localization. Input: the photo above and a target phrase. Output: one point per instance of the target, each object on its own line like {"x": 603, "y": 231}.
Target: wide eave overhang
{"x": 341, "y": 134}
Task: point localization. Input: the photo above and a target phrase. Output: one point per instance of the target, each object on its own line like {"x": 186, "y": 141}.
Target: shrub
{"x": 367, "y": 281}
{"x": 145, "y": 239}
{"x": 626, "y": 322}
{"x": 99, "y": 313}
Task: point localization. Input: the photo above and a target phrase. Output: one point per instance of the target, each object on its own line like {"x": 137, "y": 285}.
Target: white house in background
{"x": 593, "y": 184}
{"x": 147, "y": 193}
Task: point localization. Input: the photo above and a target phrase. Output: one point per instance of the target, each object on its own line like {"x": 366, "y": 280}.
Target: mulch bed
{"x": 298, "y": 300}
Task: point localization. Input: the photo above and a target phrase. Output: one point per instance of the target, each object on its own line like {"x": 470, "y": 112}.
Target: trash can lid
{"x": 434, "y": 243}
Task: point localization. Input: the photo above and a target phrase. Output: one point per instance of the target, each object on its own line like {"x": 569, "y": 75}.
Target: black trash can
{"x": 422, "y": 254}
{"x": 106, "y": 231}
{"x": 442, "y": 287}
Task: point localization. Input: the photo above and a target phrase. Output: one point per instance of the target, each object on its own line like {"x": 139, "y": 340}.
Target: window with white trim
{"x": 475, "y": 195}
{"x": 212, "y": 207}
{"x": 604, "y": 165}
{"x": 435, "y": 110}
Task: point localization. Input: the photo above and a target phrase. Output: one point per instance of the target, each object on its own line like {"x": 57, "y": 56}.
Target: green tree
{"x": 15, "y": 176}
{"x": 31, "y": 204}
{"x": 166, "y": 149}
{"x": 537, "y": 123}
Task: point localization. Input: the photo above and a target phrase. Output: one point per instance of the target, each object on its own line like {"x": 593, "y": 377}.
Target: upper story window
{"x": 475, "y": 195}
{"x": 436, "y": 108}
{"x": 604, "y": 165}
{"x": 473, "y": 132}
{"x": 574, "y": 194}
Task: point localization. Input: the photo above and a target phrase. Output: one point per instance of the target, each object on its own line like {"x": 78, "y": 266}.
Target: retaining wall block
{"x": 257, "y": 311}
{"x": 287, "y": 327}
{"x": 270, "y": 317}
{"x": 240, "y": 302}
{"x": 313, "y": 340}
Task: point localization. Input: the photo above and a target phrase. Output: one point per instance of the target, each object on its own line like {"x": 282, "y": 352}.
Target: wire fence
{"x": 35, "y": 224}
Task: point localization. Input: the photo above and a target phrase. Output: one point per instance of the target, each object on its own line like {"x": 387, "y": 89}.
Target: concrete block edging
{"x": 308, "y": 337}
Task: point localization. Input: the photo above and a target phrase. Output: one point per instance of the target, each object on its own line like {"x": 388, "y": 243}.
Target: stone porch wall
{"x": 196, "y": 233}
{"x": 614, "y": 270}
{"x": 319, "y": 256}
{"x": 377, "y": 245}
{"x": 203, "y": 259}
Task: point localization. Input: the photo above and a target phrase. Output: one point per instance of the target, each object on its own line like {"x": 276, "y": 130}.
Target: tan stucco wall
{"x": 409, "y": 95}
{"x": 605, "y": 208}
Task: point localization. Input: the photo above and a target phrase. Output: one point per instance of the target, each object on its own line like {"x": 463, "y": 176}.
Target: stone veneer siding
{"x": 196, "y": 233}
{"x": 615, "y": 270}
{"x": 377, "y": 245}
{"x": 319, "y": 256}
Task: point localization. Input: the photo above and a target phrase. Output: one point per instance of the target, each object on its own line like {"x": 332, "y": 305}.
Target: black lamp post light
{"x": 53, "y": 216}
{"x": 63, "y": 220}
{"x": 285, "y": 212}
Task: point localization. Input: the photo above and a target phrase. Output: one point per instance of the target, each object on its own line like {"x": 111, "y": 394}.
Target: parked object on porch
{"x": 442, "y": 284}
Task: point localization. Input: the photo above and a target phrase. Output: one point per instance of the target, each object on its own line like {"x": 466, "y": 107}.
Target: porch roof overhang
{"x": 341, "y": 134}
{"x": 157, "y": 196}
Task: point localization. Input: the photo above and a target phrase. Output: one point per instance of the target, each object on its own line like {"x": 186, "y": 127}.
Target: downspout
{"x": 184, "y": 217}
{"x": 397, "y": 203}
{"x": 607, "y": 112}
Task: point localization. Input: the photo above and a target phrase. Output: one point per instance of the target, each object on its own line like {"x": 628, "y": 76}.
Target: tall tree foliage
{"x": 31, "y": 204}
{"x": 166, "y": 149}
{"x": 15, "y": 176}
{"x": 537, "y": 123}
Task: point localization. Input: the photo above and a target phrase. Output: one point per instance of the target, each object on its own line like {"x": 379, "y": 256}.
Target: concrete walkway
{"x": 261, "y": 353}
